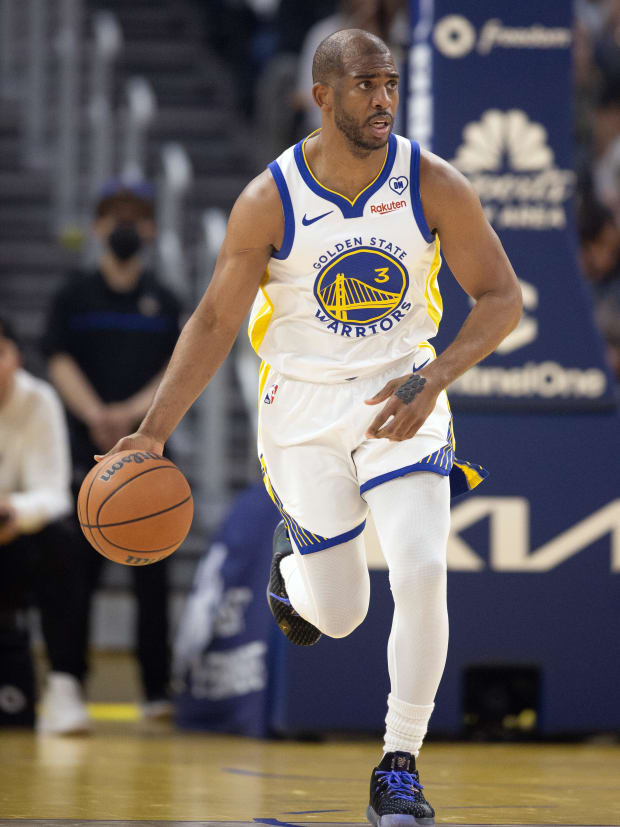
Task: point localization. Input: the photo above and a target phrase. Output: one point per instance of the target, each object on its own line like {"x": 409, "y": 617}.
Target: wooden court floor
{"x": 130, "y": 774}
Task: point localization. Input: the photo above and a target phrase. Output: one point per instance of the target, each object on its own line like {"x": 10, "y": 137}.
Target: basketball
{"x": 135, "y": 507}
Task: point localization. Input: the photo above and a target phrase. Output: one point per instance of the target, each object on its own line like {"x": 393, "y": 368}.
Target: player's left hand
{"x": 399, "y": 420}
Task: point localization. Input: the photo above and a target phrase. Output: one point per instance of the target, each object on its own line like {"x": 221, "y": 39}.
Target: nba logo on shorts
{"x": 270, "y": 395}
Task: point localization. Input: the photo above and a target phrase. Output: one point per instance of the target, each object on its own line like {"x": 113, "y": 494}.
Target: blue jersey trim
{"x": 464, "y": 475}
{"x": 329, "y": 542}
{"x": 416, "y": 201}
{"x": 305, "y": 540}
{"x": 349, "y": 210}
{"x": 402, "y": 472}
{"x": 287, "y": 208}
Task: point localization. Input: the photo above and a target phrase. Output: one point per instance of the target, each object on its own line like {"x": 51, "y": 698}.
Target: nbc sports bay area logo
{"x": 455, "y": 37}
{"x": 507, "y": 158}
{"x": 360, "y": 292}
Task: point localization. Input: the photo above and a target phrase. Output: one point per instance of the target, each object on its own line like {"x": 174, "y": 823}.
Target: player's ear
{"x": 322, "y": 94}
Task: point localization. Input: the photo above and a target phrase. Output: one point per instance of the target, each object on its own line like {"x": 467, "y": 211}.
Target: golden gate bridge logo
{"x": 361, "y": 286}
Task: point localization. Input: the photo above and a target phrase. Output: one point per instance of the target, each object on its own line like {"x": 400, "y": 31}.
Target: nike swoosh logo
{"x": 419, "y": 367}
{"x": 307, "y": 221}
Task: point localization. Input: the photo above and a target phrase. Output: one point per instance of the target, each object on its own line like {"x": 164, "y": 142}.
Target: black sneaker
{"x": 396, "y": 798}
{"x": 297, "y": 630}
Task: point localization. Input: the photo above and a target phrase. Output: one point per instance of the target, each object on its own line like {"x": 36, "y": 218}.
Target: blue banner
{"x": 221, "y": 652}
{"x": 490, "y": 91}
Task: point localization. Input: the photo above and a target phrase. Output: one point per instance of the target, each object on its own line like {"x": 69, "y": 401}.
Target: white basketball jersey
{"x": 354, "y": 286}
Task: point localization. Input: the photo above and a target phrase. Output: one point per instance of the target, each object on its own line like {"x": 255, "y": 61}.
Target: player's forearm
{"x": 491, "y": 319}
{"x": 204, "y": 343}
{"x": 76, "y": 391}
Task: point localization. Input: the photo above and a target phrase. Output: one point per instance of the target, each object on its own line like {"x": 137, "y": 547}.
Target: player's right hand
{"x": 134, "y": 442}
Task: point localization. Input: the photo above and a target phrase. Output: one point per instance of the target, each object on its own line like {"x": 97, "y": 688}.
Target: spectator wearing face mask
{"x": 109, "y": 336}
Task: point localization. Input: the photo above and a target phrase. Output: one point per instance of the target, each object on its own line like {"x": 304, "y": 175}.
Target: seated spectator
{"x": 36, "y": 564}
{"x": 110, "y": 334}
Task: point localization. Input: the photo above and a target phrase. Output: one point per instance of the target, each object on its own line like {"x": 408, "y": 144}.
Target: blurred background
{"x": 182, "y": 102}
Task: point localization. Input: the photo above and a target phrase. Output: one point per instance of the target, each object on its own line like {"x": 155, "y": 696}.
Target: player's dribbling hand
{"x": 134, "y": 442}
{"x": 398, "y": 420}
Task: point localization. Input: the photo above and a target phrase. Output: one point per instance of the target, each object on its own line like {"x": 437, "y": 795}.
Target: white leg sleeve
{"x": 329, "y": 588}
{"x": 412, "y": 518}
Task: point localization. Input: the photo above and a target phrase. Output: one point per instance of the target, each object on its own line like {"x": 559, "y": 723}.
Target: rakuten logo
{"x": 383, "y": 208}
{"x": 455, "y": 37}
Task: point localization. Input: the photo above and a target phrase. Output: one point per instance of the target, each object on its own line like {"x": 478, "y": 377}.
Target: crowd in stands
{"x": 597, "y": 119}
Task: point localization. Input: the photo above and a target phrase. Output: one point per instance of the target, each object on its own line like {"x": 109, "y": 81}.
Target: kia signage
{"x": 490, "y": 92}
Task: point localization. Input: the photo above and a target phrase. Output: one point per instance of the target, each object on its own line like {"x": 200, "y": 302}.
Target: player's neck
{"x": 339, "y": 166}
{"x": 121, "y": 276}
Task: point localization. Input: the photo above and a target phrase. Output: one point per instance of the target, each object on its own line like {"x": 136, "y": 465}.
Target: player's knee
{"x": 340, "y": 620}
{"x": 427, "y": 577}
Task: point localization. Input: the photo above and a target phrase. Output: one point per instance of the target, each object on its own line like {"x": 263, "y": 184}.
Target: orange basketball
{"x": 135, "y": 507}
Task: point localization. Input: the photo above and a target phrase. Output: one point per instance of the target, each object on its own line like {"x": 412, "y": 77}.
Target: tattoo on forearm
{"x": 410, "y": 388}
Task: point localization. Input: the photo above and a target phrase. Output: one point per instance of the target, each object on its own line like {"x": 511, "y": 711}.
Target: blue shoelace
{"x": 399, "y": 784}
{"x": 284, "y": 600}
{"x": 279, "y": 597}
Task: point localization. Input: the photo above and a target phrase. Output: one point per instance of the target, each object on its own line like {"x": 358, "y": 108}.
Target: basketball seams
{"x": 143, "y": 551}
{"x": 170, "y": 466}
{"x": 162, "y": 487}
{"x": 137, "y": 519}
{"x": 93, "y": 540}
{"x": 138, "y": 550}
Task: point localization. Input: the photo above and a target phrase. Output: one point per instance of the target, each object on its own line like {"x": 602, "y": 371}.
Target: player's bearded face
{"x": 357, "y": 130}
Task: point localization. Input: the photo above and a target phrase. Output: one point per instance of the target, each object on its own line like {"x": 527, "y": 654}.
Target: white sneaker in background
{"x": 62, "y": 710}
{"x": 158, "y": 710}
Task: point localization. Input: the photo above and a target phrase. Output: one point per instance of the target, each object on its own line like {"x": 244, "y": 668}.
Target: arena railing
{"x": 9, "y": 86}
{"x": 66, "y": 200}
{"x": 174, "y": 182}
{"x": 108, "y": 41}
{"x": 136, "y": 119}
{"x": 35, "y": 98}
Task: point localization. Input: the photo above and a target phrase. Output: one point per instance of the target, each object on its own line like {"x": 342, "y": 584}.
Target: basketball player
{"x": 340, "y": 237}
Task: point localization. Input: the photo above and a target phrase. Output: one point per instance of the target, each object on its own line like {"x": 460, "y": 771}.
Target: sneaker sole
{"x": 296, "y": 629}
{"x": 397, "y": 820}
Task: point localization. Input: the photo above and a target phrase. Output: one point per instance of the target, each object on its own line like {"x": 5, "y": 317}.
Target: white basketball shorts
{"x": 317, "y": 463}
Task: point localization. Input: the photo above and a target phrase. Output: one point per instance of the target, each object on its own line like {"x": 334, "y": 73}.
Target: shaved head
{"x": 333, "y": 52}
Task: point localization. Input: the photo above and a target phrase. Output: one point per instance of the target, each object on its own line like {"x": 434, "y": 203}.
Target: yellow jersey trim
{"x": 352, "y": 203}
{"x": 260, "y": 322}
{"x": 263, "y": 373}
{"x": 434, "y": 302}
{"x": 472, "y": 476}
